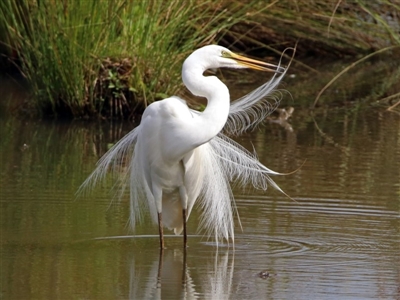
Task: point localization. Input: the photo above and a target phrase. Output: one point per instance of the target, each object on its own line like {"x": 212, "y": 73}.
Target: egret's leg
{"x": 160, "y": 231}
{"x": 157, "y": 193}
{"x": 184, "y": 201}
{"x": 184, "y": 228}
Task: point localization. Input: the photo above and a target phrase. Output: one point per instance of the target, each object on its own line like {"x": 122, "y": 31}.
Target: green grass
{"x": 111, "y": 58}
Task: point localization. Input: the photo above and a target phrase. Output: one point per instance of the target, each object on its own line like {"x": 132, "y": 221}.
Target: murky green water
{"x": 341, "y": 240}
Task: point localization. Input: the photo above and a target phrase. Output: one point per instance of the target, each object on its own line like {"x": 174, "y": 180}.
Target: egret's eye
{"x": 225, "y": 53}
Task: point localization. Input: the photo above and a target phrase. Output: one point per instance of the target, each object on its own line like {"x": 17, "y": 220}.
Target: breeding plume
{"x": 179, "y": 150}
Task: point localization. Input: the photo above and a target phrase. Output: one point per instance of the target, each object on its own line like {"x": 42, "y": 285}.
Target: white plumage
{"x": 179, "y": 149}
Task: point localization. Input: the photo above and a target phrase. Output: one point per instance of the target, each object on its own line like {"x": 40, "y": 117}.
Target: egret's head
{"x": 214, "y": 56}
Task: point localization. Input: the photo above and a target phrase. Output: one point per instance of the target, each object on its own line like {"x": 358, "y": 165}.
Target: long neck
{"x": 211, "y": 121}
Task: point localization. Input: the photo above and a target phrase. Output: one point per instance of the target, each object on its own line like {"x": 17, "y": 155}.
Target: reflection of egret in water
{"x": 220, "y": 278}
{"x": 168, "y": 276}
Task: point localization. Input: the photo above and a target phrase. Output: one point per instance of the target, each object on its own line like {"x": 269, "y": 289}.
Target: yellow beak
{"x": 256, "y": 64}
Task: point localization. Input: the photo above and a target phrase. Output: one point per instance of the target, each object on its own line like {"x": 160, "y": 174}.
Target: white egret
{"x": 179, "y": 149}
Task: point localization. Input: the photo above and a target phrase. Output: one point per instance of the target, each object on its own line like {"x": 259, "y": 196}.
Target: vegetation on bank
{"x": 110, "y": 58}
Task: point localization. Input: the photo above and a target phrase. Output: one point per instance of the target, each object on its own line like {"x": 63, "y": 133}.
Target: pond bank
{"x": 112, "y": 59}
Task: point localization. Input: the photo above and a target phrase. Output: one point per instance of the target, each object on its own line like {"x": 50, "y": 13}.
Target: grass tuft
{"x": 107, "y": 58}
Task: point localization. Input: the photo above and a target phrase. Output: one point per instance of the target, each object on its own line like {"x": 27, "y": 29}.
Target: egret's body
{"x": 169, "y": 161}
{"x": 179, "y": 149}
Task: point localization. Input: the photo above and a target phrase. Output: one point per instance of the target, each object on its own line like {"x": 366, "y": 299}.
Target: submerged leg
{"x": 160, "y": 231}
{"x": 160, "y": 266}
{"x": 184, "y": 270}
{"x": 159, "y": 272}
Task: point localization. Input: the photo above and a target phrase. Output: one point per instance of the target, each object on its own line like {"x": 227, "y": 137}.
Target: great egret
{"x": 179, "y": 149}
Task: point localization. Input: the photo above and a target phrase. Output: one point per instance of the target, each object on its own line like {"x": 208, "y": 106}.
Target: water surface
{"x": 340, "y": 239}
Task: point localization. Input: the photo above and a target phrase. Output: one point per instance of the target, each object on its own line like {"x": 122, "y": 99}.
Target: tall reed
{"x": 103, "y": 57}
{"x": 323, "y": 28}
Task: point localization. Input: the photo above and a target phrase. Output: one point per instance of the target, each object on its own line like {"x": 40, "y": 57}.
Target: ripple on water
{"x": 333, "y": 229}
{"x": 339, "y": 206}
{"x": 317, "y": 205}
{"x": 270, "y": 246}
